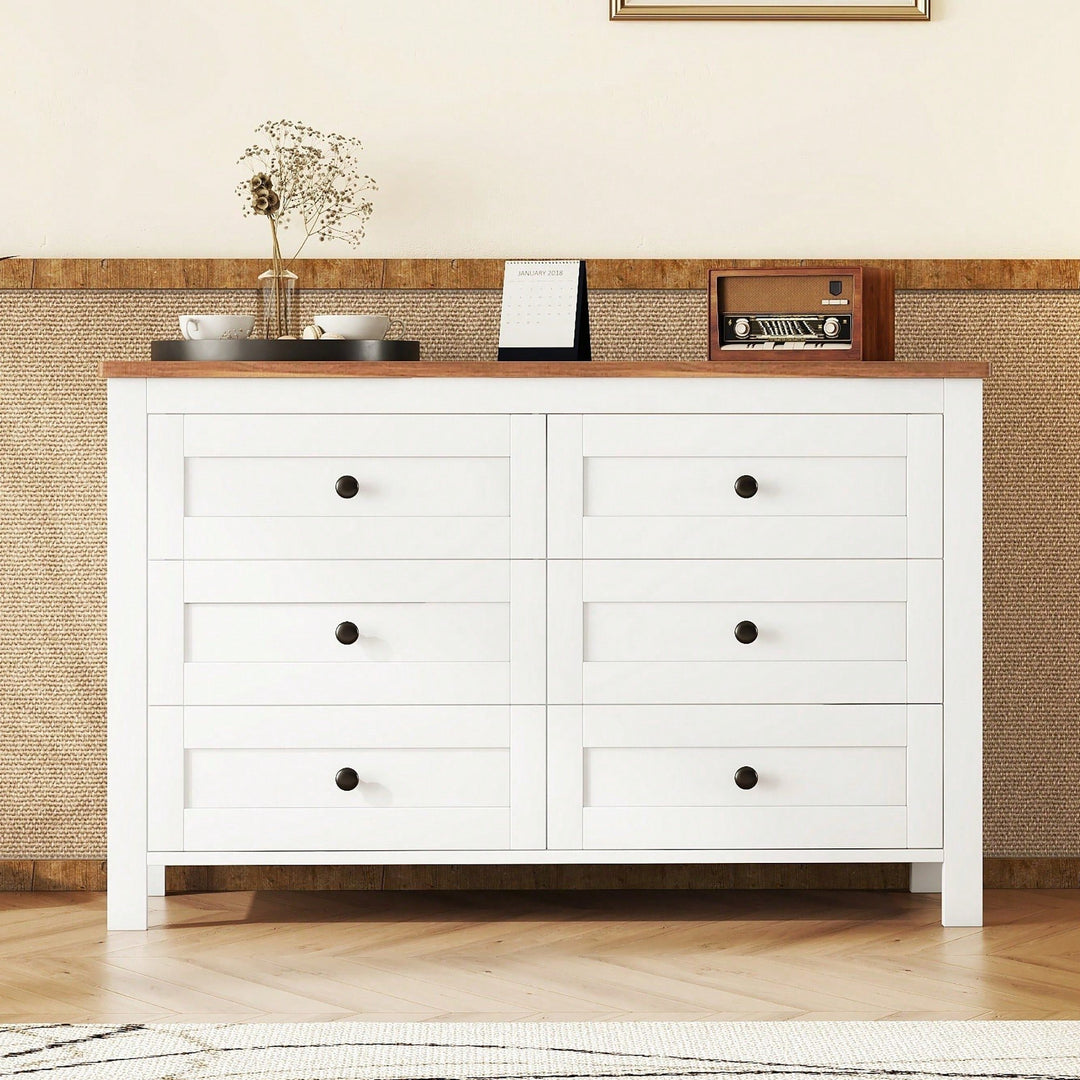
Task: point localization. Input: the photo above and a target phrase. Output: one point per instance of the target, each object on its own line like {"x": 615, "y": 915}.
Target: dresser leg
{"x": 155, "y": 881}
{"x": 126, "y": 901}
{"x": 962, "y": 892}
{"x": 925, "y": 877}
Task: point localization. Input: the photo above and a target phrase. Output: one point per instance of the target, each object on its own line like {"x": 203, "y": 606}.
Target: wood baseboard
{"x": 910, "y": 274}
{"x": 89, "y": 875}
{"x": 52, "y": 875}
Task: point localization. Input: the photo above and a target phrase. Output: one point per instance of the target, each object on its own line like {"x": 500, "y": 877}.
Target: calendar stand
{"x": 559, "y": 331}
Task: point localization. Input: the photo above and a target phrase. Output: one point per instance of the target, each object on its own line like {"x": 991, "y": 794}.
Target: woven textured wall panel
{"x": 52, "y": 525}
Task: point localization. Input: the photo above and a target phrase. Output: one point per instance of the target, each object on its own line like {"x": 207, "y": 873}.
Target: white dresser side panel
{"x": 961, "y": 897}
{"x": 126, "y": 639}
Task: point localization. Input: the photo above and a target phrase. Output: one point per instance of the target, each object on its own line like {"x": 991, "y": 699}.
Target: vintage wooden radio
{"x": 801, "y": 313}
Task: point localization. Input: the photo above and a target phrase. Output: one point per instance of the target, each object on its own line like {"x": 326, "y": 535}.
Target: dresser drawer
{"x": 347, "y": 632}
{"x": 359, "y": 632}
{"x": 380, "y": 487}
{"x": 346, "y": 487}
{"x": 386, "y": 778}
{"x": 782, "y": 776}
{"x": 761, "y": 486}
{"x": 747, "y": 776}
{"x": 810, "y": 631}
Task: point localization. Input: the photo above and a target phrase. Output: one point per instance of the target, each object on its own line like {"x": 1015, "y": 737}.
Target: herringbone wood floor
{"x": 539, "y": 956}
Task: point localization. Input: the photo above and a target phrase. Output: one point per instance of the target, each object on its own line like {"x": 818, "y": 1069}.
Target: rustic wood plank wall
{"x": 911, "y": 274}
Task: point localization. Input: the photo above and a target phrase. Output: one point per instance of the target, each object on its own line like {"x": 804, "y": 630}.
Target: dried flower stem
{"x": 280, "y": 306}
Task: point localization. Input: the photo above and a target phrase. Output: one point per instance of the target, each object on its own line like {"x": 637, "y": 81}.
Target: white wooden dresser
{"x": 545, "y": 614}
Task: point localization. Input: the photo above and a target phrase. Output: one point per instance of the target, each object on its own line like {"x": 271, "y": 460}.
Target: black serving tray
{"x": 301, "y": 349}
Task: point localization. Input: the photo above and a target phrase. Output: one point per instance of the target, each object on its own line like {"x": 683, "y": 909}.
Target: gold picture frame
{"x": 897, "y": 10}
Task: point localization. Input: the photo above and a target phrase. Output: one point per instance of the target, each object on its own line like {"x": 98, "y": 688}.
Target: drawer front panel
{"x": 805, "y": 581}
{"x": 663, "y": 486}
{"x": 347, "y": 538}
{"x": 745, "y": 538}
{"x": 388, "y": 487}
{"x": 827, "y": 776}
{"x": 387, "y": 778}
{"x": 881, "y": 682}
{"x": 646, "y": 827}
{"x": 692, "y": 632}
{"x": 745, "y": 725}
{"x": 346, "y": 487}
{"x": 355, "y": 581}
{"x": 452, "y": 828}
{"x": 345, "y": 435}
{"x": 829, "y": 631}
{"x": 688, "y": 487}
{"x": 303, "y": 632}
{"x": 704, "y": 776}
{"x": 328, "y": 726}
{"x": 374, "y": 683}
{"x": 734, "y": 434}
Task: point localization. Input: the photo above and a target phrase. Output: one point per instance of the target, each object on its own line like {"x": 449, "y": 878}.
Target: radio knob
{"x": 831, "y": 327}
{"x": 742, "y": 327}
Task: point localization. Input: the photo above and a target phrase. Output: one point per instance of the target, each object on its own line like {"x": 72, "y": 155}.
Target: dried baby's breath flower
{"x": 309, "y": 174}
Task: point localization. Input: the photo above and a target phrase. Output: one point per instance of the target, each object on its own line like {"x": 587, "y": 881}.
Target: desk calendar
{"x": 545, "y": 311}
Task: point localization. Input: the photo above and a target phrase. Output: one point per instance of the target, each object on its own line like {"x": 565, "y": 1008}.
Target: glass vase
{"x": 280, "y": 306}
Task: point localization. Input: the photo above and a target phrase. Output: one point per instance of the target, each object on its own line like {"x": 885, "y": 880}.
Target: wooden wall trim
{"x": 911, "y": 274}
{"x": 89, "y": 875}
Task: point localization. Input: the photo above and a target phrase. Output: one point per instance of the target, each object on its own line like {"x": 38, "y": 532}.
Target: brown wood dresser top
{"x": 732, "y": 369}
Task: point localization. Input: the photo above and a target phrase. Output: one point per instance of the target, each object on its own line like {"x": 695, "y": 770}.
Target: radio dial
{"x": 742, "y": 327}
{"x": 831, "y": 327}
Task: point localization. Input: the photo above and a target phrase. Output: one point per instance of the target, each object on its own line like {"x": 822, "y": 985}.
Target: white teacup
{"x": 216, "y": 327}
{"x": 361, "y": 327}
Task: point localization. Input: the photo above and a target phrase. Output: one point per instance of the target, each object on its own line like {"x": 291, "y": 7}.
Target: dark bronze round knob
{"x": 347, "y": 779}
{"x": 346, "y": 633}
{"x": 745, "y": 777}
{"x": 745, "y": 632}
{"x": 346, "y": 486}
{"x": 746, "y": 487}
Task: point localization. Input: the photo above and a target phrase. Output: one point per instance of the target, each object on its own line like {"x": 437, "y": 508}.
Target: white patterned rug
{"x": 924, "y": 1050}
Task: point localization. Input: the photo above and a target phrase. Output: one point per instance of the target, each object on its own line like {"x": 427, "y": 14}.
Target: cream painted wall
{"x": 537, "y": 127}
